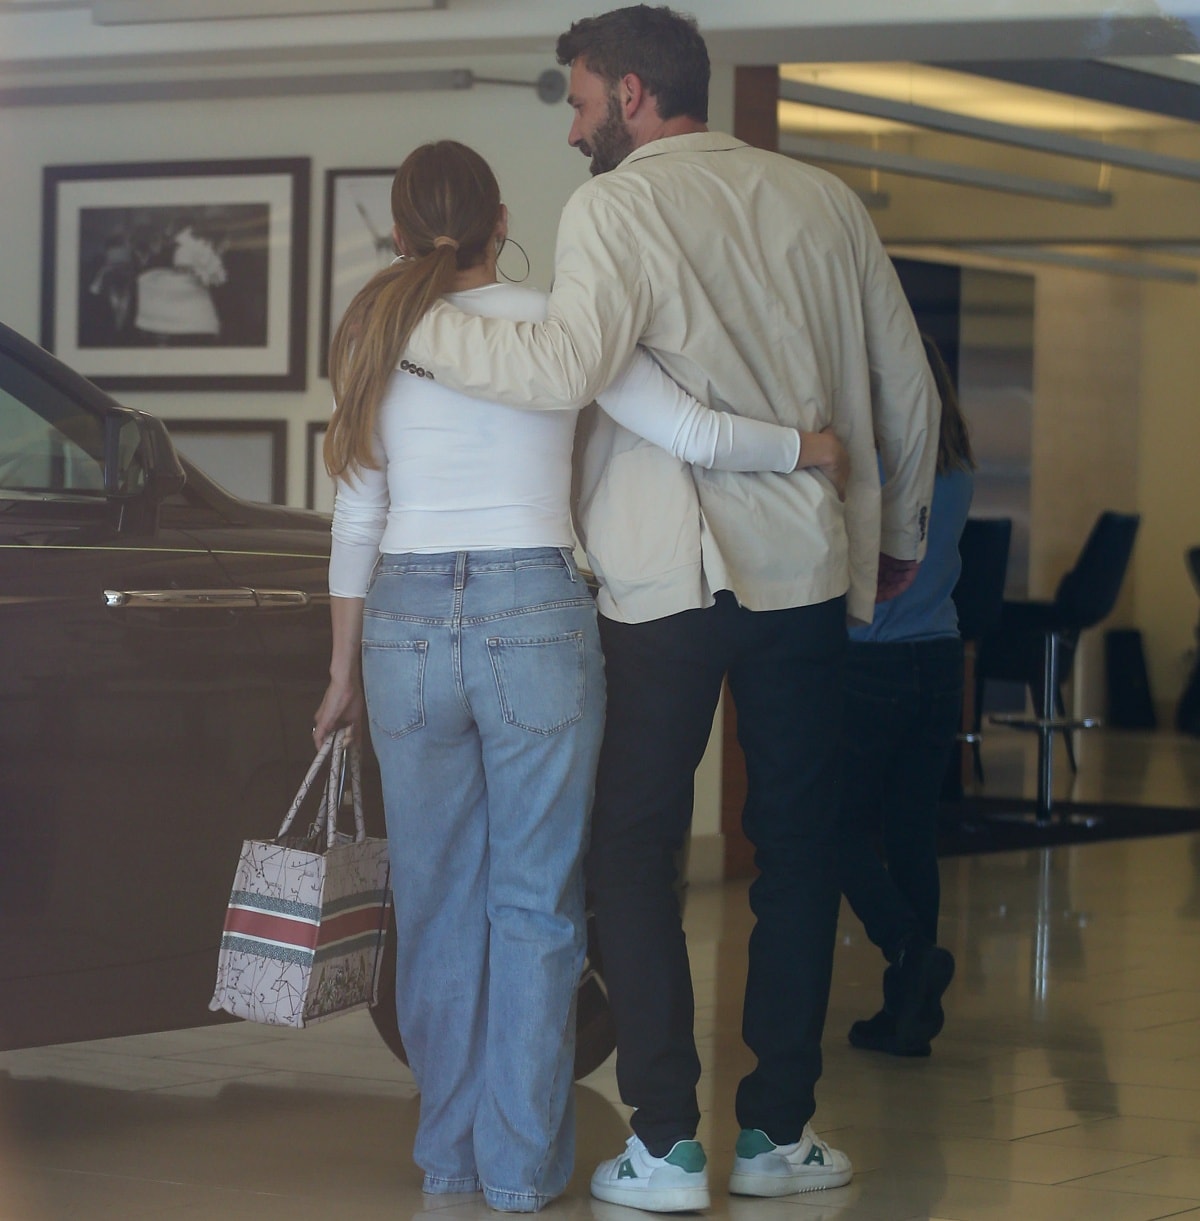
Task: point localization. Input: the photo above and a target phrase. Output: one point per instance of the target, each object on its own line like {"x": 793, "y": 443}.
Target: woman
{"x": 483, "y": 679}
{"x": 904, "y": 681}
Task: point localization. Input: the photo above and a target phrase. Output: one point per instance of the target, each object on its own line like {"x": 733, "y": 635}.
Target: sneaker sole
{"x": 747, "y": 1184}
{"x": 654, "y": 1199}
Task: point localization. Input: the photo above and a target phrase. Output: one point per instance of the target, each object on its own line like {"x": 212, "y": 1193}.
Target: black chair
{"x": 978, "y": 598}
{"x": 1034, "y": 642}
{"x": 1187, "y": 712}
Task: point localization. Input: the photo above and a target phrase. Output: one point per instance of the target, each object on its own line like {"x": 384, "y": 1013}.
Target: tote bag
{"x": 306, "y": 919}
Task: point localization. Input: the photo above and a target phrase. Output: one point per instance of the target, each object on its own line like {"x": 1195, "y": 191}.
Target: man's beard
{"x": 611, "y": 142}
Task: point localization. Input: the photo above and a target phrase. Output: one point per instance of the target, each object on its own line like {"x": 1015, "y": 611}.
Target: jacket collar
{"x": 693, "y": 142}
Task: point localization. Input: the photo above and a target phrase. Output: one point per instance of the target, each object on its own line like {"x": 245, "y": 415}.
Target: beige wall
{"x": 1168, "y": 484}
{"x": 1085, "y": 437}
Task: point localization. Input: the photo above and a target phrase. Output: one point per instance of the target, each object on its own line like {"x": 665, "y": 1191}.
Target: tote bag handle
{"x": 345, "y": 758}
{"x": 340, "y": 757}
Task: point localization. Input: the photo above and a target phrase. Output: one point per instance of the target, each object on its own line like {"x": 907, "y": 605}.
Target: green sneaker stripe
{"x": 688, "y": 1155}
{"x": 751, "y": 1142}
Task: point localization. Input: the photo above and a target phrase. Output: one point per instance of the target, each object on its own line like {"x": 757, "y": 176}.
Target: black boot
{"x": 878, "y": 1033}
{"x": 923, "y": 972}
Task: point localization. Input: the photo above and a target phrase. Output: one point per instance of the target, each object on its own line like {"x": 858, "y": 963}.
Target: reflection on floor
{"x": 1066, "y": 1084}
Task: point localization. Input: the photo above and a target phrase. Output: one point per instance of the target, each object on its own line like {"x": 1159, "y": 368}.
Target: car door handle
{"x": 242, "y": 598}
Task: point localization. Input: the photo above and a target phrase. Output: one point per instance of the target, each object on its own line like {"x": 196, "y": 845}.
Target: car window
{"x": 48, "y": 443}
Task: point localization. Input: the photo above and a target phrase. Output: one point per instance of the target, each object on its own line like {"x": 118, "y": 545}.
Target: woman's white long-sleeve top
{"x": 462, "y": 474}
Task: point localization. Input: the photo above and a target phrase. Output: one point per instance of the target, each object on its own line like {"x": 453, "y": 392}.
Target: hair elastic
{"x": 443, "y": 240}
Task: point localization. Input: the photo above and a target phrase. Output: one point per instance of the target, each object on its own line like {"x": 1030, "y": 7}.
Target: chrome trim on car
{"x": 241, "y": 598}
{"x": 180, "y": 599}
{"x": 281, "y": 599}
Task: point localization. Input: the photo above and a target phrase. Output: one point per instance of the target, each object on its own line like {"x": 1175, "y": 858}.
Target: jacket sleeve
{"x": 598, "y": 309}
{"x": 904, "y": 403}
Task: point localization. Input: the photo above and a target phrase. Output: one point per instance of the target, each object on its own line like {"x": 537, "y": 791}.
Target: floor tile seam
{"x": 1188, "y": 1202}
{"x": 190, "y": 1184}
{"x": 1067, "y": 1127}
{"x": 945, "y": 1181}
{"x": 983, "y": 1147}
{"x": 1129, "y": 1085}
{"x": 1123, "y": 1111}
{"x": 307, "y": 1070}
{"x": 222, "y": 1080}
{"x": 1013, "y": 1096}
{"x": 1140, "y": 1160}
{"x": 1038, "y": 1140}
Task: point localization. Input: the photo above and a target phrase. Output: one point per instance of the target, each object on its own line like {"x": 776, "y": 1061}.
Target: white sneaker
{"x": 673, "y": 1184}
{"x": 763, "y": 1168}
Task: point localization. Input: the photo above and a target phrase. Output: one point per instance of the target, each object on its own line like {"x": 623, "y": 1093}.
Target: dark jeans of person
{"x": 902, "y": 712}
{"x": 664, "y": 680}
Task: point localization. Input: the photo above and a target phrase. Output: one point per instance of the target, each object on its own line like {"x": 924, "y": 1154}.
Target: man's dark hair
{"x": 662, "y": 48}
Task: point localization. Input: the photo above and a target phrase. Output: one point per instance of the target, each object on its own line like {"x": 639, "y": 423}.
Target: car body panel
{"x": 141, "y": 742}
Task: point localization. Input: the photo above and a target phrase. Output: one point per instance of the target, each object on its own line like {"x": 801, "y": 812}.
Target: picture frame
{"x": 246, "y": 457}
{"x": 178, "y": 275}
{"x": 357, "y": 242}
{"x": 318, "y": 486}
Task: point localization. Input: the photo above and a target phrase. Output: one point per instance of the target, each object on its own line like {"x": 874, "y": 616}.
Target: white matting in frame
{"x": 178, "y": 275}
{"x": 358, "y": 242}
{"x": 246, "y": 457}
{"x": 319, "y": 487}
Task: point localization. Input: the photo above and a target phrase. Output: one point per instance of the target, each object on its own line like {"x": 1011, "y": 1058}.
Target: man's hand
{"x": 895, "y": 576}
{"x": 824, "y": 452}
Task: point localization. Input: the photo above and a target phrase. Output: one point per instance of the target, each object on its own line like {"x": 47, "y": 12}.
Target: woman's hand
{"x": 824, "y": 452}
{"x": 342, "y": 705}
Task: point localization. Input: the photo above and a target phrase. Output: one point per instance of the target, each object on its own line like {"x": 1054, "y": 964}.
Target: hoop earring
{"x": 513, "y": 241}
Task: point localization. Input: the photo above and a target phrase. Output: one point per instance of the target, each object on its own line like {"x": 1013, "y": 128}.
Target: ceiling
{"x": 1106, "y": 156}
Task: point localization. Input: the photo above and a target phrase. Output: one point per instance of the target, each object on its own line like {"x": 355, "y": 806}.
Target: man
{"x": 760, "y": 285}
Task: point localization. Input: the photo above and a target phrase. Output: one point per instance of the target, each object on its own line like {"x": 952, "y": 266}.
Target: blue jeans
{"x": 485, "y": 693}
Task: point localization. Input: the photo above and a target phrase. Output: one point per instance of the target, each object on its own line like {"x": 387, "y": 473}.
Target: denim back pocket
{"x": 541, "y": 680}
{"x": 394, "y": 682}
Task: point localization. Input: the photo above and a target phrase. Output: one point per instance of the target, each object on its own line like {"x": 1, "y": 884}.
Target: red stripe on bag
{"x": 271, "y": 928}
{"x": 350, "y": 924}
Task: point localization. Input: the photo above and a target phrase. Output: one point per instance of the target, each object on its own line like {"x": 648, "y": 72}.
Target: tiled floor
{"x": 1066, "y": 1084}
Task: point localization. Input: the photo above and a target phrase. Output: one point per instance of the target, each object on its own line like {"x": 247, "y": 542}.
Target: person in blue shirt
{"x": 903, "y": 706}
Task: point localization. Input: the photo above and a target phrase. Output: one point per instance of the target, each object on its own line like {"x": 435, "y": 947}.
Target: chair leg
{"x": 1060, "y": 710}
{"x": 976, "y": 683}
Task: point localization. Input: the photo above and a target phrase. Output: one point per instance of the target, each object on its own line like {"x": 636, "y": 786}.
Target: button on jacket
{"x": 760, "y": 285}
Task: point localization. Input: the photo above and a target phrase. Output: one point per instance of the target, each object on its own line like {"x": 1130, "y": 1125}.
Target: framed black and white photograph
{"x": 358, "y": 242}
{"x": 246, "y": 457}
{"x": 318, "y": 486}
{"x": 178, "y": 275}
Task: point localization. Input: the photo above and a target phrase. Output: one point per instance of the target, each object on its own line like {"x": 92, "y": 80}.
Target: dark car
{"x": 163, "y": 646}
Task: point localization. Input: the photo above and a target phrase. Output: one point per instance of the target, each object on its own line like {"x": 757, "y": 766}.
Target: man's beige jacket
{"x": 760, "y": 285}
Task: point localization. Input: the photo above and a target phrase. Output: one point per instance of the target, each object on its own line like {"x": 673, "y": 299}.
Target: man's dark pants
{"x": 785, "y": 671}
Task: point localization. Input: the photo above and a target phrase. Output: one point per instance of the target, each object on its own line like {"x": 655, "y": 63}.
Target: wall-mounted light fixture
{"x": 550, "y": 86}
{"x": 144, "y": 12}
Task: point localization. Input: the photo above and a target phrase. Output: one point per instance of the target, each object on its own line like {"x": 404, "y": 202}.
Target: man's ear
{"x": 632, "y": 95}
